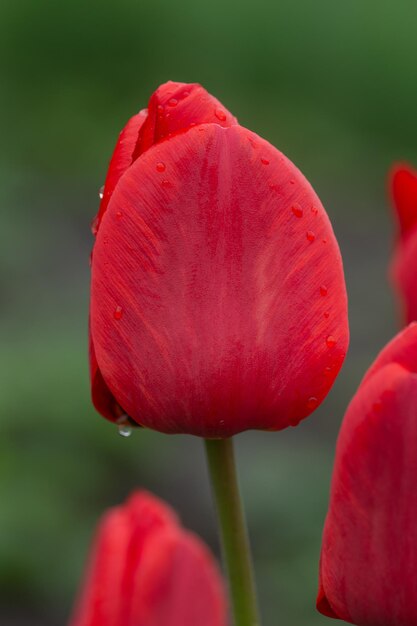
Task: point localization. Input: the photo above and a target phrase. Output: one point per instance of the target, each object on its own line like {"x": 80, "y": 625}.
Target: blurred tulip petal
{"x": 403, "y": 188}
{"x": 368, "y": 570}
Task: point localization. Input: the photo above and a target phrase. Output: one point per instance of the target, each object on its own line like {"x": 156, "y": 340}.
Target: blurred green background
{"x": 332, "y": 84}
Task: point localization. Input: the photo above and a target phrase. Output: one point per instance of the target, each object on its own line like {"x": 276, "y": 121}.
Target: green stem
{"x": 233, "y": 531}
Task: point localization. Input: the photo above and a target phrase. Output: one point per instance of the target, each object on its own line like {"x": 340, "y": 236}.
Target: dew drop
{"x": 323, "y": 290}
{"x": 297, "y": 210}
{"x": 160, "y": 109}
{"x": 125, "y": 430}
{"x": 314, "y": 210}
{"x": 310, "y": 236}
{"x": 264, "y": 161}
{"x": 172, "y": 102}
{"x": 331, "y": 341}
{"x": 328, "y": 370}
{"x": 119, "y": 214}
{"x": 220, "y": 115}
{"x": 292, "y": 181}
{"x": 165, "y": 183}
{"x": 185, "y": 94}
{"x": 312, "y": 403}
{"x": 118, "y": 313}
{"x": 101, "y": 192}
{"x": 324, "y": 240}
{"x": 94, "y": 225}
{"x": 160, "y": 167}
{"x": 326, "y": 314}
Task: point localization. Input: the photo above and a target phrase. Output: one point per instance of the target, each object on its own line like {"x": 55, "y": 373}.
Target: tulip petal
{"x": 218, "y": 297}
{"x": 368, "y": 561}
{"x": 108, "y": 589}
{"x": 403, "y": 189}
{"x": 404, "y": 276}
{"x": 122, "y": 158}
{"x": 178, "y": 584}
{"x": 103, "y": 399}
{"x": 175, "y": 107}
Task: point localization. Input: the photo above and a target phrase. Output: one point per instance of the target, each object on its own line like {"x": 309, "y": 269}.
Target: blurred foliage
{"x": 332, "y": 85}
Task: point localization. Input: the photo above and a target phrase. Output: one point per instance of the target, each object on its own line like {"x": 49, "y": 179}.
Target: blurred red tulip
{"x": 146, "y": 570}
{"x": 218, "y": 299}
{"x": 368, "y": 568}
{"x": 403, "y": 190}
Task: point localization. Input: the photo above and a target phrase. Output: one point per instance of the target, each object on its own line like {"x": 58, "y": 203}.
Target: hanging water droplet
{"x": 160, "y": 167}
{"x": 118, "y": 313}
{"x": 331, "y": 341}
{"x": 101, "y": 192}
{"x": 310, "y": 236}
{"x": 323, "y": 290}
{"x": 221, "y": 115}
{"x": 297, "y": 210}
{"x": 125, "y": 430}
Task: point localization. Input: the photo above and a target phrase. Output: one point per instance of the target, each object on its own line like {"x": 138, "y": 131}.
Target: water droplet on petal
{"x": 292, "y": 181}
{"x": 119, "y": 214}
{"x": 264, "y": 161}
{"x": 160, "y": 109}
{"x": 160, "y": 167}
{"x": 172, "y": 102}
{"x": 331, "y": 341}
{"x": 185, "y": 94}
{"x": 220, "y": 115}
{"x": 326, "y": 314}
{"x": 312, "y": 403}
{"x": 324, "y": 240}
{"x": 118, "y": 313}
{"x": 323, "y": 290}
{"x": 165, "y": 183}
{"x": 94, "y": 225}
{"x": 310, "y": 236}
{"x": 328, "y": 370}
{"x": 297, "y": 210}
{"x": 314, "y": 210}
{"x": 101, "y": 192}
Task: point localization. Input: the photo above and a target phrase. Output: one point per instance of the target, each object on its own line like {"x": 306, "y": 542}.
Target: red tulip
{"x": 146, "y": 570}
{"x": 403, "y": 188}
{"x": 218, "y": 300}
{"x": 368, "y": 569}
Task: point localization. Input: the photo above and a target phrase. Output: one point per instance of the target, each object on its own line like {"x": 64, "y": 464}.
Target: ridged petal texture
{"x": 403, "y": 190}
{"x": 218, "y": 300}
{"x": 146, "y": 570}
{"x": 368, "y": 569}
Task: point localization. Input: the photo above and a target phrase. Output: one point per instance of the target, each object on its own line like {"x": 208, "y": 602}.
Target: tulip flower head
{"x": 368, "y": 568}
{"x": 218, "y": 300}
{"x": 146, "y": 570}
{"x": 403, "y": 191}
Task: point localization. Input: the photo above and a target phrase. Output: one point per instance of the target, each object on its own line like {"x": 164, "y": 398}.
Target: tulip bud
{"x": 218, "y": 299}
{"x": 146, "y": 570}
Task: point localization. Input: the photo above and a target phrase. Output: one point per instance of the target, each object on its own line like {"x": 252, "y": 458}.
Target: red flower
{"x": 146, "y": 570}
{"x": 218, "y": 299}
{"x": 403, "y": 189}
{"x": 368, "y": 569}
